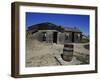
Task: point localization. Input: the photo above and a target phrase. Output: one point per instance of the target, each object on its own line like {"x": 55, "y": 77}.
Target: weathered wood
{"x": 68, "y": 52}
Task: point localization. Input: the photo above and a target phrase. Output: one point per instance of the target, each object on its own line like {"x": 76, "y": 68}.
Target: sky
{"x": 65, "y": 20}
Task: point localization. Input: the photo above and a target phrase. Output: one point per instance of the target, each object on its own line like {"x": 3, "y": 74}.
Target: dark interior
{"x": 55, "y": 37}
{"x": 72, "y": 36}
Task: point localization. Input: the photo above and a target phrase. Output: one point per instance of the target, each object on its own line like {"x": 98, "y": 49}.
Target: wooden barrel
{"x": 67, "y": 52}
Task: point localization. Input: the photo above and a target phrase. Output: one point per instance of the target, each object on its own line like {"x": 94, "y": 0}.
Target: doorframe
{"x": 54, "y": 37}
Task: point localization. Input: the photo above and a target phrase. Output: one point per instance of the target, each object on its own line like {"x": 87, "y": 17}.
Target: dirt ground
{"x": 47, "y": 54}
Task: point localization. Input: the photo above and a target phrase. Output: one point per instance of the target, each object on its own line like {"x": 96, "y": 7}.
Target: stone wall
{"x": 62, "y": 37}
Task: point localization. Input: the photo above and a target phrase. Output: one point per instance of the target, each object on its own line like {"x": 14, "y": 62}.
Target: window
{"x": 77, "y": 36}
{"x": 44, "y": 36}
{"x": 66, "y": 36}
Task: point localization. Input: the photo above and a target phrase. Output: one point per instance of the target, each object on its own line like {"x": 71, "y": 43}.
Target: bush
{"x": 85, "y": 40}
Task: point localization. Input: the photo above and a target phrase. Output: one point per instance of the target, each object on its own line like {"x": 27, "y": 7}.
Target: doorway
{"x": 54, "y": 37}
{"x": 73, "y": 37}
